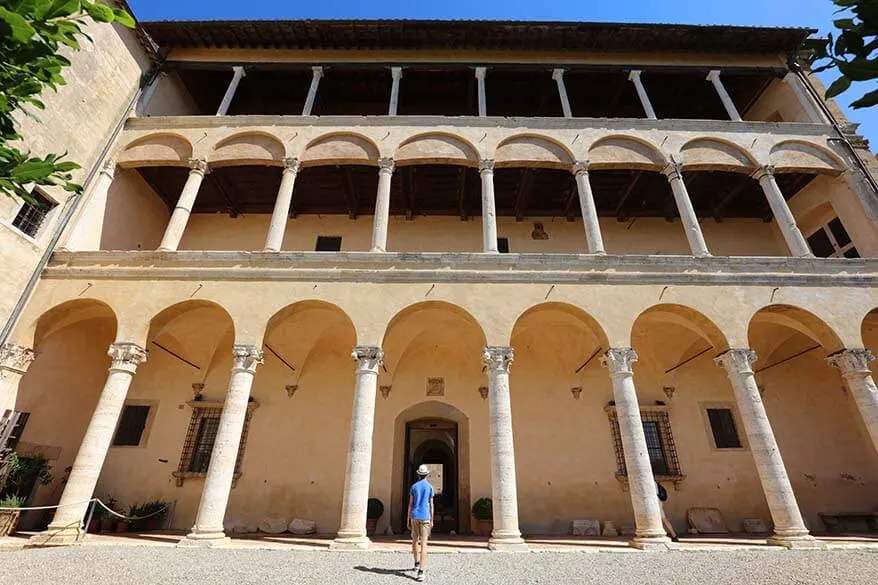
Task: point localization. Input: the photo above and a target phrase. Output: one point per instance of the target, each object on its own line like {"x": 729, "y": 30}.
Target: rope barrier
{"x": 90, "y": 511}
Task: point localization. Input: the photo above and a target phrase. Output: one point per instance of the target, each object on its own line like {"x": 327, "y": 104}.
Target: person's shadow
{"x": 378, "y": 571}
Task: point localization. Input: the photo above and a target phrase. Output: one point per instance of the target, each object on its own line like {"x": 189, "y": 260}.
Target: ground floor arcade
{"x": 559, "y": 409}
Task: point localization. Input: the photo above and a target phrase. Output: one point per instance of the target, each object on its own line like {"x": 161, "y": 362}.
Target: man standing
{"x": 662, "y": 498}
{"x": 420, "y": 518}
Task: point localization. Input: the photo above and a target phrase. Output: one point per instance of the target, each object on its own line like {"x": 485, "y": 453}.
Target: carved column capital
{"x": 498, "y": 358}
{"x": 368, "y": 357}
{"x": 197, "y": 165}
{"x": 580, "y": 167}
{"x": 673, "y": 170}
{"x": 16, "y": 358}
{"x": 396, "y": 72}
{"x": 109, "y": 167}
{"x": 386, "y": 163}
{"x": 852, "y": 362}
{"x": 763, "y": 171}
{"x": 291, "y": 164}
{"x": 317, "y": 71}
{"x": 486, "y": 165}
{"x": 737, "y": 360}
{"x": 246, "y": 357}
{"x": 619, "y": 360}
{"x": 126, "y": 356}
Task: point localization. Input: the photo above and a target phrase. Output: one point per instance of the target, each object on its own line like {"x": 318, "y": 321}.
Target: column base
{"x": 653, "y": 543}
{"x": 205, "y": 539}
{"x": 350, "y": 543}
{"x": 804, "y": 542}
{"x": 57, "y": 537}
{"x": 512, "y": 545}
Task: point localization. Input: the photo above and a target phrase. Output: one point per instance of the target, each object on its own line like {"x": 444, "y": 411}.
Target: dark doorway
{"x": 434, "y": 443}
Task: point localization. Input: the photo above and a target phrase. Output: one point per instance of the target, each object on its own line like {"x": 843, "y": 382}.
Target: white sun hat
{"x": 423, "y": 470}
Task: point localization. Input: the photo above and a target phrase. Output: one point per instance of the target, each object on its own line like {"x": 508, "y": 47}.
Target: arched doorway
{"x": 434, "y": 443}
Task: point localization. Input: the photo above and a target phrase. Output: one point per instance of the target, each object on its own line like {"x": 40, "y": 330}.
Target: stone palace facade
{"x": 567, "y": 259}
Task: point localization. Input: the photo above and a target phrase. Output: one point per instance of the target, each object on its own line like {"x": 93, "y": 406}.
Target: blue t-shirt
{"x": 422, "y": 493}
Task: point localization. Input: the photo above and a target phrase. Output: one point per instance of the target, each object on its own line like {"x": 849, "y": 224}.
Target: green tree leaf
{"x": 867, "y": 101}
{"x": 21, "y": 29}
{"x": 838, "y": 86}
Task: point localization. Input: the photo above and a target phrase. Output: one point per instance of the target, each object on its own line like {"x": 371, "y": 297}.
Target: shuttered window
{"x": 132, "y": 423}
{"x": 722, "y": 425}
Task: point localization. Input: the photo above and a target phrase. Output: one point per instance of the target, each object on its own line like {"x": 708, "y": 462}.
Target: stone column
{"x": 86, "y": 232}
{"x": 352, "y": 530}
{"x": 489, "y": 209}
{"x": 785, "y": 220}
{"x": 281, "y": 214}
{"x": 396, "y": 74}
{"x": 483, "y": 104}
{"x": 14, "y": 362}
{"x": 854, "y": 366}
{"x": 634, "y": 77}
{"x": 674, "y": 172}
{"x": 180, "y": 215}
{"x": 208, "y": 528}
{"x": 724, "y": 96}
{"x": 504, "y": 493}
{"x": 316, "y": 75}
{"x": 789, "y": 528}
{"x": 230, "y": 91}
{"x": 382, "y": 205}
{"x": 66, "y": 526}
{"x": 649, "y": 532}
{"x": 558, "y": 76}
{"x": 812, "y": 110}
{"x": 589, "y": 211}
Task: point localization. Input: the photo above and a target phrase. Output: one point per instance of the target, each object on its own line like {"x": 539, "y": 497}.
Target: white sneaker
{"x": 421, "y": 575}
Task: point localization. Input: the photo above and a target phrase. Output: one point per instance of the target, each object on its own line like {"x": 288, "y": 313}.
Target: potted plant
{"x": 108, "y": 519}
{"x": 9, "y": 518}
{"x": 483, "y": 510}
{"x": 154, "y": 513}
{"x": 374, "y": 511}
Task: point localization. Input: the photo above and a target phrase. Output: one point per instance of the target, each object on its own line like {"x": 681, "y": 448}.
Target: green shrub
{"x": 374, "y": 509}
{"x": 483, "y": 509}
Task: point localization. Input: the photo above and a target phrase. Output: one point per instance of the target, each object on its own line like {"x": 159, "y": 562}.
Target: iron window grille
{"x": 200, "y": 439}
{"x": 30, "y": 216}
{"x": 659, "y": 443}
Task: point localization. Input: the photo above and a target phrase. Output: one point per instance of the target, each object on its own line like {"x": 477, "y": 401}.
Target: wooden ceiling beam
{"x": 626, "y": 194}
{"x": 232, "y": 202}
{"x": 720, "y": 208}
{"x": 525, "y": 186}
{"x": 572, "y": 197}
{"x": 350, "y": 191}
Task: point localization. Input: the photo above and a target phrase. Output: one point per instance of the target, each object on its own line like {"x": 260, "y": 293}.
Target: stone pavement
{"x": 147, "y": 565}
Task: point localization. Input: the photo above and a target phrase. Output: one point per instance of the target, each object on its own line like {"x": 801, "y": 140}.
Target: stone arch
{"x": 436, "y": 148}
{"x": 303, "y": 330}
{"x": 869, "y": 330}
{"x": 554, "y": 312}
{"x": 796, "y": 319}
{"x": 715, "y": 154}
{"x": 248, "y": 148}
{"x": 533, "y": 150}
{"x": 65, "y": 315}
{"x": 798, "y": 156}
{"x": 435, "y": 410}
{"x": 625, "y": 152}
{"x": 340, "y": 148}
{"x": 156, "y": 150}
{"x": 686, "y": 317}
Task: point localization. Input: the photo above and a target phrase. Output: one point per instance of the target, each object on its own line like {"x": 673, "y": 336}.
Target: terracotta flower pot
{"x": 94, "y": 526}
{"x": 108, "y": 525}
{"x": 121, "y": 526}
{"x": 154, "y": 522}
{"x": 486, "y": 527}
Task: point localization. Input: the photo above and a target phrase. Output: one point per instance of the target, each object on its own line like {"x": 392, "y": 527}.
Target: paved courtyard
{"x": 141, "y": 565}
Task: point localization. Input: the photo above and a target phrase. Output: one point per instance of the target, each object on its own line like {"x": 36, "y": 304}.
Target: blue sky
{"x": 807, "y": 13}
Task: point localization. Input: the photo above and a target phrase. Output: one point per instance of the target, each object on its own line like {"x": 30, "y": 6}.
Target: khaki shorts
{"x": 421, "y": 530}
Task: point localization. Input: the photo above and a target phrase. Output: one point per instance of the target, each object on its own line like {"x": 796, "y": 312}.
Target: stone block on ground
{"x": 301, "y": 526}
{"x": 273, "y": 525}
{"x": 755, "y": 526}
{"x": 707, "y": 520}
{"x": 610, "y": 529}
{"x": 585, "y": 528}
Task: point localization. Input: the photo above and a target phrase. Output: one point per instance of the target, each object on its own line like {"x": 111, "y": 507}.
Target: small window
{"x": 659, "y": 443}
{"x": 722, "y": 425}
{"x": 132, "y": 423}
{"x": 30, "y": 217}
{"x": 831, "y": 240}
{"x": 328, "y": 244}
{"x": 503, "y": 245}
{"x": 18, "y": 420}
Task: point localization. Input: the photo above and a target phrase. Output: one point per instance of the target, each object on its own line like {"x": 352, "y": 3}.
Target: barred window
{"x": 31, "y": 215}
{"x": 659, "y": 442}
{"x": 200, "y": 439}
